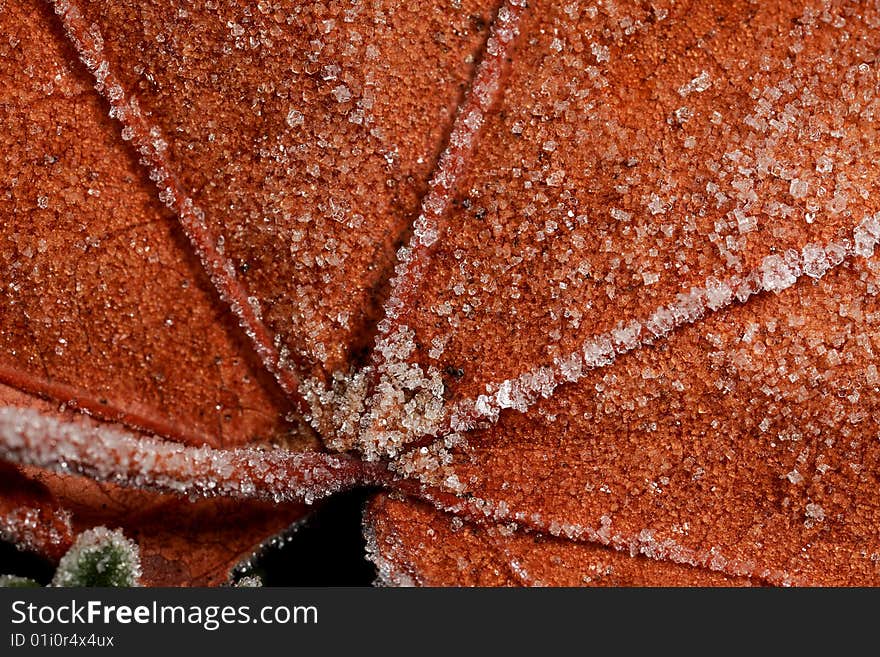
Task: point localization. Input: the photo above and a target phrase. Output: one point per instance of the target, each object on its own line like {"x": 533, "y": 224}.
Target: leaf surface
{"x": 412, "y": 543}
{"x": 305, "y": 135}
{"x": 663, "y": 375}
{"x": 181, "y": 543}
{"x": 629, "y": 340}
{"x": 667, "y": 162}
{"x": 104, "y": 309}
{"x": 744, "y": 443}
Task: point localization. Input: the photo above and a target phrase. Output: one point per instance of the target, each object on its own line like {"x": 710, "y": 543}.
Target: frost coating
{"x": 303, "y": 194}
{"x": 543, "y": 272}
{"x": 249, "y": 581}
{"x": 111, "y": 454}
{"x": 151, "y": 145}
{"x": 100, "y": 557}
{"x": 776, "y": 274}
{"x": 648, "y": 542}
{"x": 407, "y": 403}
{"x": 15, "y": 582}
{"x": 388, "y": 572}
{"x": 44, "y": 531}
{"x": 431, "y": 464}
{"x": 408, "y": 391}
{"x": 407, "y": 400}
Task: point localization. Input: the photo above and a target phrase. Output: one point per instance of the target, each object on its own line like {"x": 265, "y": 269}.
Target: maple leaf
{"x": 589, "y": 290}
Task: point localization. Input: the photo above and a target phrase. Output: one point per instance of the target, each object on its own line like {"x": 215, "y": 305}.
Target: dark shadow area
{"x": 326, "y": 550}
{"x": 24, "y": 564}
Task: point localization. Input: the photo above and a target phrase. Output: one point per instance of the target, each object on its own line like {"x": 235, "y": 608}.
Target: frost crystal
{"x": 100, "y": 557}
{"x": 815, "y": 261}
{"x": 814, "y": 513}
{"x": 15, "y": 582}
{"x": 294, "y": 118}
{"x": 249, "y": 581}
{"x": 699, "y": 84}
{"x": 342, "y": 94}
{"x": 777, "y": 274}
{"x": 798, "y": 188}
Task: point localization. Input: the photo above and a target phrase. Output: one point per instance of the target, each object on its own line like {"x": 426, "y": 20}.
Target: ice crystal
{"x": 15, "y": 582}
{"x": 538, "y": 263}
{"x": 100, "y": 557}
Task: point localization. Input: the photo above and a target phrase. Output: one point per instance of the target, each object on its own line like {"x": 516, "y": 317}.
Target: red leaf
{"x": 267, "y": 114}
{"x": 30, "y": 518}
{"x": 104, "y": 309}
{"x": 181, "y": 543}
{"x": 666, "y": 377}
{"x": 413, "y": 543}
{"x": 630, "y": 338}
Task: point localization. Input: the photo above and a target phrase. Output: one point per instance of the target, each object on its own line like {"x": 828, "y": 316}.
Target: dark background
{"x": 327, "y": 550}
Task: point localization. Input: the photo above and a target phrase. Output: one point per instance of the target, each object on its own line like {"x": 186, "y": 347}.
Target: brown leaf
{"x": 715, "y": 458}
{"x": 29, "y": 516}
{"x": 181, "y": 543}
{"x": 104, "y": 310}
{"x": 588, "y": 206}
{"x": 630, "y": 338}
{"x": 305, "y": 134}
{"x": 669, "y": 175}
{"x": 414, "y": 544}
{"x": 107, "y": 312}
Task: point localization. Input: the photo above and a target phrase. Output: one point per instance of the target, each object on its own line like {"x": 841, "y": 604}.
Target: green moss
{"x": 16, "y": 582}
{"x": 100, "y": 557}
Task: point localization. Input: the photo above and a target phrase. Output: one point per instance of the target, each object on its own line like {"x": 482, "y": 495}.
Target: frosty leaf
{"x": 631, "y": 338}
{"x": 114, "y": 455}
{"x": 181, "y": 543}
{"x": 744, "y": 444}
{"x": 299, "y": 143}
{"x": 663, "y": 165}
{"x": 106, "y": 312}
{"x": 414, "y": 544}
{"x": 99, "y": 557}
{"x": 669, "y": 419}
{"x": 103, "y": 308}
{"x": 388, "y": 381}
{"x": 408, "y": 551}
{"x": 30, "y": 518}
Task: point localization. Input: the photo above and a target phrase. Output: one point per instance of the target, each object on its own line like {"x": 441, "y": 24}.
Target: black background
{"x": 327, "y": 550}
